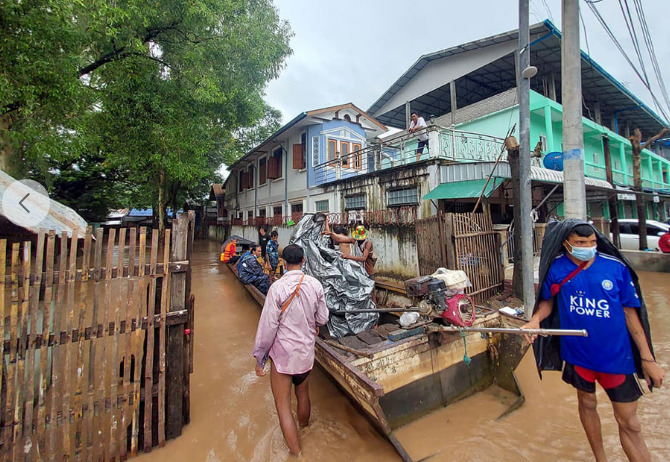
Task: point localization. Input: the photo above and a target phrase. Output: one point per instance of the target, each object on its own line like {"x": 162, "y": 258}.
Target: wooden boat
{"x": 397, "y": 382}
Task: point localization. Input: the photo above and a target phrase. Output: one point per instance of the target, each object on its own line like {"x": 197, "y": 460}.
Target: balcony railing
{"x": 444, "y": 143}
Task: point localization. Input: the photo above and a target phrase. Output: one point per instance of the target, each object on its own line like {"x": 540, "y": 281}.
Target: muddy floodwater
{"x": 233, "y": 416}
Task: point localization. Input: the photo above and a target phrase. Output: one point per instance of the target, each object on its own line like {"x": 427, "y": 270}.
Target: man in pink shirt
{"x": 294, "y": 308}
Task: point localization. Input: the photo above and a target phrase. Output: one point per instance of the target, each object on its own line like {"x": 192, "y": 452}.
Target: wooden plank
{"x": 174, "y": 267}
{"x": 404, "y": 333}
{"x": 19, "y": 405}
{"x": 149, "y": 356}
{"x": 93, "y": 408}
{"x": 353, "y": 342}
{"x": 13, "y": 335}
{"x": 3, "y": 330}
{"x": 80, "y": 436}
{"x": 104, "y": 423}
{"x": 30, "y": 414}
{"x": 60, "y": 436}
{"x": 165, "y": 300}
{"x": 115, "y": 287}
{"x": 370, "y": 337}
{"x": 187, "y": 343}
{"x": 138, "y": 344}
{"x": 45, "y": 397}
{"x": 174, "y": 418}
{"x": 68, "y": 312}
{"x": 127, "y": 354}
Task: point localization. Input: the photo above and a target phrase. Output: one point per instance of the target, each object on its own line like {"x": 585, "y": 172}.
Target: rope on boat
{"x": 466, "y": 358}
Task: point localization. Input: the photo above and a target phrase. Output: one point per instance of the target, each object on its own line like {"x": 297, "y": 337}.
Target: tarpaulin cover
{"x": 548, "y": 349}
{"x": 345, "y": 283}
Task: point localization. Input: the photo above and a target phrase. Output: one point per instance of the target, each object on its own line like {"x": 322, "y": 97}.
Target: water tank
{"x": 554, "y": 161}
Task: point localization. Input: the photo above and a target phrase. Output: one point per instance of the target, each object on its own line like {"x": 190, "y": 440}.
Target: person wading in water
{"x": 587, "y": 287}
{"x": 294, "y": 309}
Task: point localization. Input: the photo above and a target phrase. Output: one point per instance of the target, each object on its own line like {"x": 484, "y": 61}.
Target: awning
{"x": 464, "y": 189}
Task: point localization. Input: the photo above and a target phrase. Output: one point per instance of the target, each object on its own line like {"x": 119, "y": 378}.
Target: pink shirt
{"x": 289, "y": 341}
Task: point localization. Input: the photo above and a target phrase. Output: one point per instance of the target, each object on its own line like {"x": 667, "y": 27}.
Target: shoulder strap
{"x": 295, "y": 292}
{"x": 556, "y": 288}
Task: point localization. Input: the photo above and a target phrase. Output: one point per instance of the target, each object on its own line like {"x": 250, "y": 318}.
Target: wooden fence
{"x": 462, "y": 241}
{"x": 97, "y": 346}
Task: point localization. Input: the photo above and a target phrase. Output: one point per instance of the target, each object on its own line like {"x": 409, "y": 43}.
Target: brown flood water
{"x": 233, "y": 416}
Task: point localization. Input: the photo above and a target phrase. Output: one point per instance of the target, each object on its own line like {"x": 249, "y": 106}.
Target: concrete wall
{"x": 394, "y": 246}
{"x": 648, "y": 261}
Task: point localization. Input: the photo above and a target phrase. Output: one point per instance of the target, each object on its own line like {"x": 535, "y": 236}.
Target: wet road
{"x": 233, "y": 416}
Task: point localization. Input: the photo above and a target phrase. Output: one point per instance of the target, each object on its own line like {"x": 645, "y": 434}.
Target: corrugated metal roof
{"x": 464, "y": 189}
{"x": 60, "y": 217}
{"x": 481, "y": 170}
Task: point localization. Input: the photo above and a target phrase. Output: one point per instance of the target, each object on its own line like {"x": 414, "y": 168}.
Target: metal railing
{"x": 402, "y": 149}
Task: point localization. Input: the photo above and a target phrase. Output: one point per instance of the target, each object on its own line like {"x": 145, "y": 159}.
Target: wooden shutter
{"x": 262, "y": 171}
{"x": 273, "y": 168}
{"x": 245, "y": 180}
{"x": 298, "y": 161}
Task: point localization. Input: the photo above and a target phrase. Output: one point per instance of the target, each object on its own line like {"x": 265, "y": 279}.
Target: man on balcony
{"x": 418, "y": 125}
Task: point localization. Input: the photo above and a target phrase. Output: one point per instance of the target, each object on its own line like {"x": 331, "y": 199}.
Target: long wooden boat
{"x": 397, "y": 382}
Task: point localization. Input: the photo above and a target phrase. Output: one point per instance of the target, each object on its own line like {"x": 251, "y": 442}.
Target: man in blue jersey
{"x": 595, "y": 291}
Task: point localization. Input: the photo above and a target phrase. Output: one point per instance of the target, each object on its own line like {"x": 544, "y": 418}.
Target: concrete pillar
{"x": 624, "y": 164}
{"x": 454, "y": 101}
{"x": 408, "y": 115}
{"x": 549, "y": 128}
{"x": 596, "y": 110}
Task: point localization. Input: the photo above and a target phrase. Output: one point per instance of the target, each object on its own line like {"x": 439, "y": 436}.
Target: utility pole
{"x": 573, "y": 133}
{"x": 614, "y": 213}
{"x": 525, "y": 225}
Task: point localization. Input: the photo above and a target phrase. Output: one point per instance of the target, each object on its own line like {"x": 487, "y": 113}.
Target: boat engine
{"x": 432, "y": 296}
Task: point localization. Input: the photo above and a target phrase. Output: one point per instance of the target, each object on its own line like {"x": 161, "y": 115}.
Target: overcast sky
{"x": 353, "y": 50}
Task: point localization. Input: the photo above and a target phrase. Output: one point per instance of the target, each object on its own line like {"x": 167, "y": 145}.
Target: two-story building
{"x": 277, "y": 180}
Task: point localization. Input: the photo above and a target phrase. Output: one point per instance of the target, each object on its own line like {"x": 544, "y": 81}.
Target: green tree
{"x": 159, "y": 89}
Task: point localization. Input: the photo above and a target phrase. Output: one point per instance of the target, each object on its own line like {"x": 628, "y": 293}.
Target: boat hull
{"x": 395, "y": 383}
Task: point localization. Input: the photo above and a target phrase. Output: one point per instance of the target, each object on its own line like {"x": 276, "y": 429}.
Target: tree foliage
{"x": 159, "y": 90}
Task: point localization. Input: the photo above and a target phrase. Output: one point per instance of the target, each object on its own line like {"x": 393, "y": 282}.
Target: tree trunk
{"x": 513, "y": 160}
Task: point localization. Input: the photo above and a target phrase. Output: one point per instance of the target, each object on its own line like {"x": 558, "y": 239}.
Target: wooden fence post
{"x": 174, "y": 416}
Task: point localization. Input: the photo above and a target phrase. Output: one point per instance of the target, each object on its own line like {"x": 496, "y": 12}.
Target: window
{"x": 251, "y": 177}
{"x": 250, "y": 215}
{"x": 358, "y": 156}
{"x": 344, "y": 153}
{"x": 356, "y": 202}
{"x": 617, "y": 165}
{"x": 262, "y": 212}
{"x": 296, "y": 208}
{"x": 543, "y": 141}
{"x": 262, "y": 171}
{"x": 277, "y": 210}
{"x": 322, "y": 206}
{"x": 595, "y": 158}
{"x": 275, "y": 164}
{"x": 405, "y": 196}
{"x": 332, "y": 150}
{"x": 240, "y": 181}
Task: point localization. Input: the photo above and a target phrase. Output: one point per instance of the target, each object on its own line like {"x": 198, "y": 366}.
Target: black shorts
{"x": 298, "y": 379}
{"x": 621, "y": 388}
{"x": 422, "y": 144}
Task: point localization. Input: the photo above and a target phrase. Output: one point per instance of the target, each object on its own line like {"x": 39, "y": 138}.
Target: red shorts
{"x": 621, "y": 388}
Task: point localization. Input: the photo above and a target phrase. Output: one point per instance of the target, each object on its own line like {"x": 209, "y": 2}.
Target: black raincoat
{"x": 548, "y": 349}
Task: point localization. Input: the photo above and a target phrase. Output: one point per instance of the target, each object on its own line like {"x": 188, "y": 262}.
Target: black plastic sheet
{"x": 345, "y": 283}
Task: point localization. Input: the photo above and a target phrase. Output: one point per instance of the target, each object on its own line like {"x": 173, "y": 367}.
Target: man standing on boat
{"x": 294, "y": 309}
{"x": 251, "y": 272}
{"x": 594, "y": 290}
{"x": 272, "y": 253}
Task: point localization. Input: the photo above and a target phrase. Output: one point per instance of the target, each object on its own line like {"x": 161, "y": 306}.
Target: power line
{"x": 609, "y": 32}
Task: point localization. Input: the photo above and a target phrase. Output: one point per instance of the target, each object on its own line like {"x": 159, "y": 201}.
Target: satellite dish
{"x": 554, "y": 161}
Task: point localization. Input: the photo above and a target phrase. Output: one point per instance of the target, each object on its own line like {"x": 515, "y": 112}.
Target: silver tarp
{"x": 345, "y": 282}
